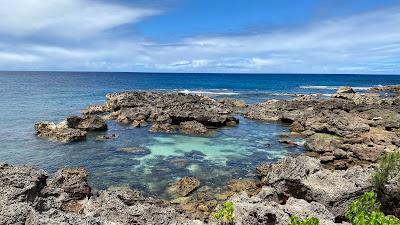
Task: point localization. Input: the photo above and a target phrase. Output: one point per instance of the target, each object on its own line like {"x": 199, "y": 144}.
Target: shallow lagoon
{"x": 232, "y": 152}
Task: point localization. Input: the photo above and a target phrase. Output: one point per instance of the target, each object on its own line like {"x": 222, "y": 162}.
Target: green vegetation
{"x": 389, "y": 168}
{"x": 294, "y": 220}
{"x": 366, "y": 211}
{"x": 227, "y": 213}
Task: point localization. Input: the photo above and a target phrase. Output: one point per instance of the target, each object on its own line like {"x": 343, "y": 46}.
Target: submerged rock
{"x": 185, "y": 186}
{"x": 135, "y": 150}
{"x": 107, "y": 137}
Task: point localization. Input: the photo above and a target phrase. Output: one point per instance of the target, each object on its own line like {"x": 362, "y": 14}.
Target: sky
{"x": 219, "y": 36}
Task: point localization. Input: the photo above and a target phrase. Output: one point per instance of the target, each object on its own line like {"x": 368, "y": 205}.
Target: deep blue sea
{"x": 234, "y": 152}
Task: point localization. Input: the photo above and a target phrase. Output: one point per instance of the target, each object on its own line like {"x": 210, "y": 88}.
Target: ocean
{"x": 230, "y": 153}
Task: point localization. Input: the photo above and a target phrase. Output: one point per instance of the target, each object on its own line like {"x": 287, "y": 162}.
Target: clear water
{"x": 232, "y": 152}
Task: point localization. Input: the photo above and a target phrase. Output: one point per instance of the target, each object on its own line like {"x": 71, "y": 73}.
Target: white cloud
{"x": 366, "y": 43}
{"x": 65, "y": 18}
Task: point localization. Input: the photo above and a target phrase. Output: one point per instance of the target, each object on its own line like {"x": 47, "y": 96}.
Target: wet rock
{"x": 139, "y": 123}
{"x": 192, "y": 127}
{"x": 297, "y": 127}
{"x": 185, "y": 186}
{"x": 86, "y": 123}
{"x": 251, "y": 187}
{"x": 135, "y": 150}
{"x": 163, "y": 127}
{"x": 59, "y": 132}
{"x": 388, "y": 88}
{"x": 346, "y": 90}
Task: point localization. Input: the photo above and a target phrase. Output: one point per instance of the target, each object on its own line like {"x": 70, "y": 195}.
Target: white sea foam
{"x": 323, "y": 87}
{"x": 207, "y": 92}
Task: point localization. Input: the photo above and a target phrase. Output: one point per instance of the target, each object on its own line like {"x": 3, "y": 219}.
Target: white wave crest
{"x": 207, "y": 92}
{"x": 322, "y": 87}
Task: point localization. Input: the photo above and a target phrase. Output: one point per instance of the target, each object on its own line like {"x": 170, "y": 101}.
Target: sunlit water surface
{"x": 230, "y": 152}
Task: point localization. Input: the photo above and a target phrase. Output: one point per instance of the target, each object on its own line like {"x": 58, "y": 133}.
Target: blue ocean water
{"x": 232, "y": 152}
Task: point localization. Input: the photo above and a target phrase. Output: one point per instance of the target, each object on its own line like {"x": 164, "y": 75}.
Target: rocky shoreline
{"x": 344, "y": 136}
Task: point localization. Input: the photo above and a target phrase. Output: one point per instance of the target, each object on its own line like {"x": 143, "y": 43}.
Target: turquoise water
{"x": 231, "y": 152}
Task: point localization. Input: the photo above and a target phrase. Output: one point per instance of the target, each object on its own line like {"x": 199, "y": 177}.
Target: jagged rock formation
{"x": 73, "y": 128}
{"x": 345, "y": 130}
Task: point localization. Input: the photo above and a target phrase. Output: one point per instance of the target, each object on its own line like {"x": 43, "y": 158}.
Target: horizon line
{"x": 216, "y": 73}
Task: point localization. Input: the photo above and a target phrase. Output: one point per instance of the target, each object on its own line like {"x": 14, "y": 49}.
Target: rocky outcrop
{"x": 59, "y": 132}
{"x": 256, "y": 211}
{"x": 342, "y": 131}
{"x": 388, "y": 88}
{"x": 303, "y": 177}
{"x": 73, "y": 128}
{"x": 26, "y": 198}
{"x": 167, "y": 110}
{"x": 345, "y": 90}
{"x": 86, "y": 123}
{"x": 185, "y": 186}
{"x": 192, "y": 127}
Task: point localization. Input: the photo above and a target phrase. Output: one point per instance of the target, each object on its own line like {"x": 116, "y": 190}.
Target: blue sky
{"x": 258, "y": 36}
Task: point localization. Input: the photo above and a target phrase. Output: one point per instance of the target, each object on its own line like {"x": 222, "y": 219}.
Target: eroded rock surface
{"x": 27, "y": 198}
{"x": 73, "y": 128}
{"x": 166, "y": 111}
{"x": 345, "y": 130}
{"x": 185, "y": 186}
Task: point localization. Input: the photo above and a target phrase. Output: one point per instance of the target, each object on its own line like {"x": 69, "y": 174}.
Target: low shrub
{"x": 366, "y": 211}
{"x": 389, "y": 168}
{"x": 294, "y": 220}
{"x": 227, "y": 213}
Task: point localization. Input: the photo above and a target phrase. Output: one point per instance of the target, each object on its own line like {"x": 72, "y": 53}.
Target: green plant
{"x": 389, "y": 168}
{"x": 294, "y": 220}
{"x": 366, "y": 211}
{"x": 227, "y": 213}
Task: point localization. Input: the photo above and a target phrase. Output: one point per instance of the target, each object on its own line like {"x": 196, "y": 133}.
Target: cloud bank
{"x": 82, "y": 35}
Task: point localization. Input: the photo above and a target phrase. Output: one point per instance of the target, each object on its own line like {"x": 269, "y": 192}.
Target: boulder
{"x": 337, "y": 189}
{"x": 345, "y": 90}
{"x": 185, "y": 186}
{"x": 59, "y": 132}
{"x": 192, "y": 127}
{"x": 72, "y": 182}
{"x": 162, "y": 127}
{"x": 288, "y": 169}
